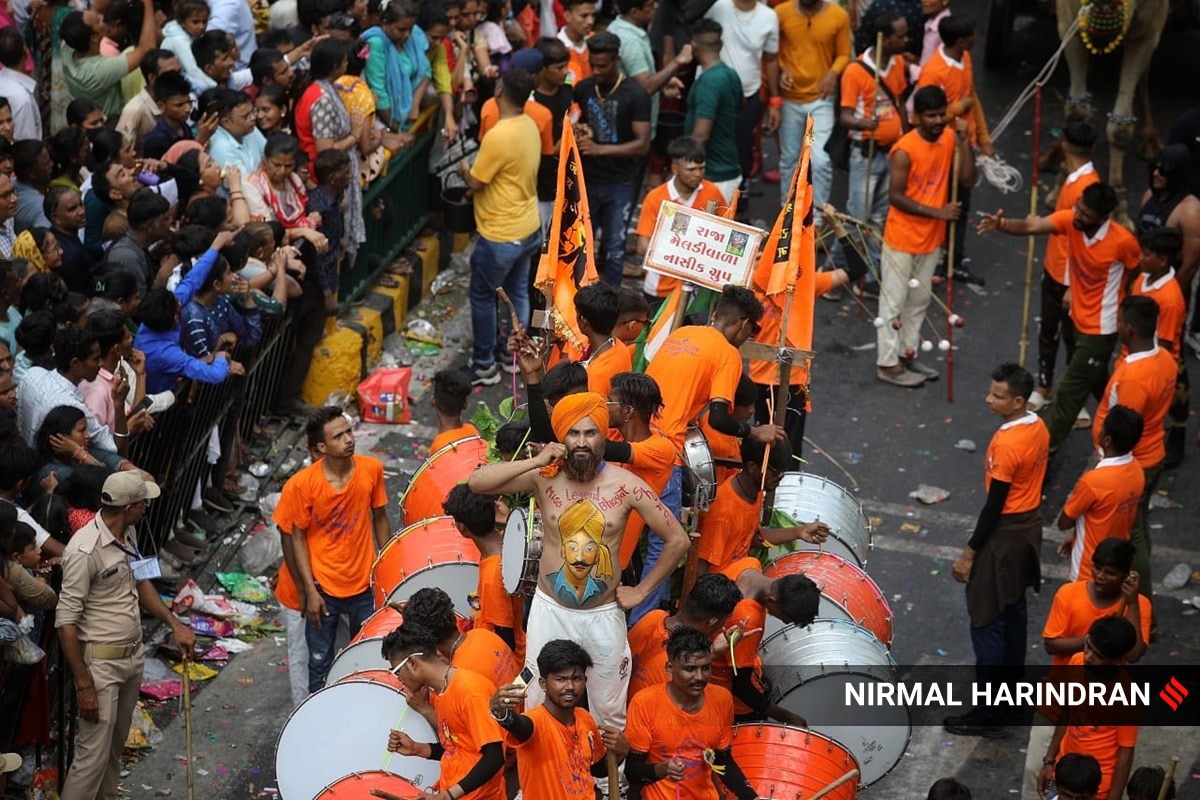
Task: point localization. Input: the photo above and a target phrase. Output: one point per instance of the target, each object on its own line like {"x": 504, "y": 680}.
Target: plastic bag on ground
{"x": 262, "y": 549}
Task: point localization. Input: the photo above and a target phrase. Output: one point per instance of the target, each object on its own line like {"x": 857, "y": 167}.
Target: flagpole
{"x": 871, "y": 142}
{"x": 1033, "y": 199}
{"x": 954, "y": 169}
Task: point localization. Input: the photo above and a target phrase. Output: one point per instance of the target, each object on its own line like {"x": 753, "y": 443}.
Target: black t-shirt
{"x": 559, "y": 104}
{"x": 610, "y": 113}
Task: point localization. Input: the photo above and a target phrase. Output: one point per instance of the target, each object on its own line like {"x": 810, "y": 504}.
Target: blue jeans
{"x": 856, "y": 207}
{"x": 672, "y": 498}
{"x": 493, "y": 265}
{"x": 610, "y": 205}
{"x": 322, "y": 641}
{"x": 1000, "y": 647}
{"x": 791, "y": 134}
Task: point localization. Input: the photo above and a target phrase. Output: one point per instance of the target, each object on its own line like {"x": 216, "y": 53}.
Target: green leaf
{"x": 507, "y": 407}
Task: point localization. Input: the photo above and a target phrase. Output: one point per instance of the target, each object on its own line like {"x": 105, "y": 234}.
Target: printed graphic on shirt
{"x": 587, "y": 563}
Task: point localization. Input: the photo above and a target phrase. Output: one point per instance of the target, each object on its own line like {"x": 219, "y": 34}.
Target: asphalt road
{"x": 879, "y": 441}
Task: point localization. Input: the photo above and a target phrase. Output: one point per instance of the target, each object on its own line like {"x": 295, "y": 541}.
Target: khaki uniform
{"x": 99, "y": 597}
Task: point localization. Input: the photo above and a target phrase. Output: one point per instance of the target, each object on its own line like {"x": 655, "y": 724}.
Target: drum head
{"x": 359, "y": 785}
{"x": 807, "y": 497}
{"x": 459, "y": 579}
{"x": 512, "y": 551}
{"x": 360, "y": 655}
{"x": 343, "y": 729}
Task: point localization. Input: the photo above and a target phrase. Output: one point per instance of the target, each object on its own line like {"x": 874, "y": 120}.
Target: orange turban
{"x": 575, "y": 407}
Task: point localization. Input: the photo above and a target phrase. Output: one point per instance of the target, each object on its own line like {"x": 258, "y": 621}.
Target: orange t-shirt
{"x": 1073, "y": 612}
{"x": 1104, "y": 503}
{"x": 613, "y": 360}
{"x": 1017, "y": 455}
{"x": 653, "y": 462}
{"x": 485, "y": 653}
{"x": 338, "y": 524}
{"x": 286, "y": 591}
{"x": 722, "y": 445}
{"x": 663, "y": 730}
{"x": 1172, "y": 308}
{"x": 957, "y": 80}
{"x": 648, "y": 649}
{"x": 555, "y": 762}
{"x": 465, "y": 725}
{"x": 928, "y": 184}
{"x": 453, "y": 435}
{"x": 578, "y": 66}
{"x": 707, "y": 197}
{"x": 728, "y": 527}
{"x": 497, "y": 608}
{"x": 1101, "y": 742}
{"x": 745, "y": 650}
{"x": 860, "y": 93}
{"x": 1068, "y": 196}
{"x": 1144, "y": 382}
{"x": 766, "y": 373}
{"x": 694, "y": 366}
{"x": 1096, "y": 272}
{"x": 489, "y": 115}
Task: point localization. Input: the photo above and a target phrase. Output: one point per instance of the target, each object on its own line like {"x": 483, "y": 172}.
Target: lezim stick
{"x": 1162, "y": 790}
{"x": 1033, "y": 199}
{"x": 954, "y": 168}
{"x": 849, "y": 776}
{"x": 187, "y": 723}
{"x": 614, "y": 780}
{"x": 871, "y": 142}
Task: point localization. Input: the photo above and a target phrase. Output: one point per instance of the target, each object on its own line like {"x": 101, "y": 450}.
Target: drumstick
{"x": 614, "y": 780}
{"x": 385, "y": 794}
{"x": 1167, "y": 778}
{"x": 387, "y": 756}
{"x": 512, "y": 310}
{"x": 851, "y": 775}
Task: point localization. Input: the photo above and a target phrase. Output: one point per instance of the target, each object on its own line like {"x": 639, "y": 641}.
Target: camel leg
{"x": 1150, "y": 141}
{"x": 1079, "y": 102}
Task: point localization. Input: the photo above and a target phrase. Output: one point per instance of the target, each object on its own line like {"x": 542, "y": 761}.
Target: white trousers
{"x": 297, "y": 647}
{"x": 601, "y": 632}
{"x": 900, "y": 301}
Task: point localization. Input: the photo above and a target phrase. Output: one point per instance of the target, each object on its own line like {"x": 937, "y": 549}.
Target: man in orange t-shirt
{"x": 688, "y": 188}
{"x": 337, "y": 511}
{"x": 470, "y": 744}
{"x": 792, "y": 599}
{"x": 475, "y": 516}
{"x": 913, "y": 234}
{"x": 728, "y": 527}
{"x": 1100, "y": 254}
{"x": 1078, "y": 140}
{"x": 579, "y": 19}
{"x": 291, "y": 610}
{"x": 722, "y": 446}
{"x": 477, "y": 649}
{"x": 1002, "y": 559}
{"x": 560, "y": 748}
{"x": 1107, "y": 642}
{"x": 680, "y": 731}
{"x": 451, "y": 389}
{"x": 706, "y": 608}
{"x": 1144, "y": 381}
{"x": 1104, "y": 502}
{"x": 489, "y": 115}
{"x": 597, "y": 307}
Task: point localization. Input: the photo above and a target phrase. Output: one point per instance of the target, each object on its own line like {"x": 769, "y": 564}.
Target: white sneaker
{"x": 1036, "y": 402}
{"x": 1084, "y": 420}
{"x": 161, "y": 402}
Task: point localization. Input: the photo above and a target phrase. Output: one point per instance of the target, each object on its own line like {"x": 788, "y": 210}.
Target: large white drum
{"x": 520, "y": 552}
{"x": 343, "y": 729}
{"x": 805, "y": 498}
{"x": 809, "y": 668}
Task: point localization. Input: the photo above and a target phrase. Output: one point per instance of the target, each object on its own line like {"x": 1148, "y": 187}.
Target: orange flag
{"x": 568, "y": 254}
{"x": 789, "y": 259}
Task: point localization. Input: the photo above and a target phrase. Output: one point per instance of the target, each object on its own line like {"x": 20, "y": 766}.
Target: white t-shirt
{"x": 747, "y": 35}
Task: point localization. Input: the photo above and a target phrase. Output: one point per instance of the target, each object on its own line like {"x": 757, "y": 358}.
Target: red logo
{"x": 1174, "y": 693}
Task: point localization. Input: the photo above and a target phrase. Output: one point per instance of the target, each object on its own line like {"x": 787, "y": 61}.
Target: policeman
{"x": 105, "y": 579}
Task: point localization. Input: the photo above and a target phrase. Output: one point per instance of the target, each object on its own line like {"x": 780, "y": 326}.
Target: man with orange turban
{"x": 585, "y": 504}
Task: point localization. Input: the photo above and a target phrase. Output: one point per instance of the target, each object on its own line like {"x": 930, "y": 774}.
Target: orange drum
{"x": 359, "y": 785}
{"x": 384, "y": 676}
{"x": 441, "y": 472}
{"x": 846, "y": 592}
{"x": 365, "y": 650}
{"x": 431, "y": 553}
{"x": 786, "y": 763}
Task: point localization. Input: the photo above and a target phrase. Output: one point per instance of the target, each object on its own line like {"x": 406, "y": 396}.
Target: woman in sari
{"x": 276, "y": 192}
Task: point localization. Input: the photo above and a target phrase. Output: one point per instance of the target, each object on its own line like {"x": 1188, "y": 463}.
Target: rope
{"x": 1041, "y": 79}
{"x": 999, "y": 173}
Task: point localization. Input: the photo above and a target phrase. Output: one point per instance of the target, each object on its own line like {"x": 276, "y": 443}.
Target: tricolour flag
{"x": 568, "y": 254}
{"x": 654, "y": 334}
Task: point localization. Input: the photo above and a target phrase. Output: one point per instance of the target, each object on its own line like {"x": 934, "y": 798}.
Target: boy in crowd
{"x": 597, "y": 308}
{"x": 478, "y": 648}
{"x": 331, "y": 168}
{"x": 173, "y": 95}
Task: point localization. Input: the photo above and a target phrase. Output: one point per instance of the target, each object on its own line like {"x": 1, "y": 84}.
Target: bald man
{"x": 585, "y": 504}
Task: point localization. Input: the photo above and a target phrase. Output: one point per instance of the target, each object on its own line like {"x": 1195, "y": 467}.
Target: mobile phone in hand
{"x": 524, "y": 678}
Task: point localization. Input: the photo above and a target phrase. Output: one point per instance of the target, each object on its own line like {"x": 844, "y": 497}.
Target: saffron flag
{"x": 568, "y": 254}
{"x": 789, "y": 261}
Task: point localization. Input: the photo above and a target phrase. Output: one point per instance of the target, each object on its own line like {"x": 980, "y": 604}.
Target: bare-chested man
{"x": 585, "y": 504}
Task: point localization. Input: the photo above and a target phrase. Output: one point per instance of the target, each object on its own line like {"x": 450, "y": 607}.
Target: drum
{"x": 846, "y": 592}
{"x": 809, "y": 670}
{"x": 700, "y": 462}
{"x": 787, "y": 763}
{"x": 521, "y": 551}
{"x": 806, "y": 498}
{"x": 441, "y": 472}
{"x": 384, "y": 676}
{"x": 429, "y": 553}
{"x": 343, "y": 729}
{"x": 364, "y": 651}
{"x": 359, "y": 785}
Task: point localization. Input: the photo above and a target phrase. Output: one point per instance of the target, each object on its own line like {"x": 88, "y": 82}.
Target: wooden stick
{"x": 1033, "y": 200}
{"x": 692, "y": 565}
{"x": 950, "y": 248}
{"x": 614, "y": 780}
{"x": 685, "y": 299}
{"x": 187, "y": 724}
{"x": 871, "y": 142}
{"x": 512, "y": 310}
{"x": 849, "y": 776}
{"x": 1169, "y": 775}
{"x": 782, "y": 395}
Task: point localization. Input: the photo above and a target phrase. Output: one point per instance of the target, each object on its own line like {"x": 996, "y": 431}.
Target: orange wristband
{"x": 775, "y": 102}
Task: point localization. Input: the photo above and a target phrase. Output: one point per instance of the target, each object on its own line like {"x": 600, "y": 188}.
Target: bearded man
{"x": 585, "y": 503}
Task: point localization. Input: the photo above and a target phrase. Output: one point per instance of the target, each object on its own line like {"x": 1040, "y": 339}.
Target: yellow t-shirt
{"x": 508, "y": 160}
